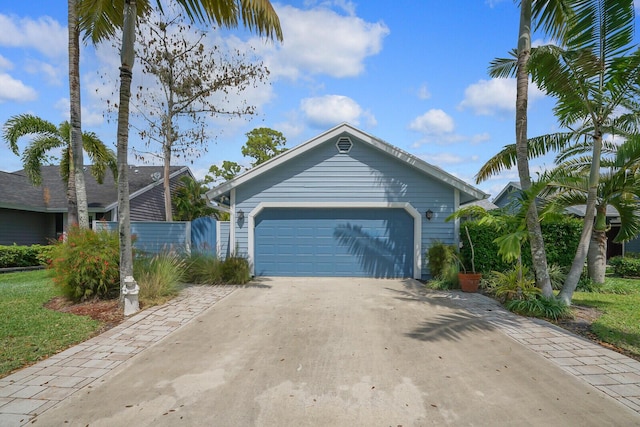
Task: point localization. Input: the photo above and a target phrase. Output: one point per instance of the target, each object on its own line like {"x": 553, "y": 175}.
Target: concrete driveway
{"x": 339, "y": 352}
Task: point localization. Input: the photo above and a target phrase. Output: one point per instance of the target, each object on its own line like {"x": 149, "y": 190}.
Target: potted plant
{"x": 469, "y": 281}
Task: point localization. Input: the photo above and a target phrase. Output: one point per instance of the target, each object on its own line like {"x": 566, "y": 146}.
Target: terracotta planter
{"x": 469, "y": 281}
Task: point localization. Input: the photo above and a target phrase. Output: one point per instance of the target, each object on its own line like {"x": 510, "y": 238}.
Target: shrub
{"x": 547, "y": 308}
{"x": 23, "y": 256}
{"x": 235, "y": 270}
{"x": 203, "y": 269}
{"x": 86, "y": 264}
{"x": 514, "y": 284}
{"x": 159, "y": 276}
{"x": 440, "y": 258}
{"x": 561, "y": 236}
{"x": 625, "y": 266}
{"x": 557, "y": 276}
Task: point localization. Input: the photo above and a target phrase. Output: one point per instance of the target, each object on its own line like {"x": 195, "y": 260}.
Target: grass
{"x": 620, "y": 322}
{"x": 28, "y": 331}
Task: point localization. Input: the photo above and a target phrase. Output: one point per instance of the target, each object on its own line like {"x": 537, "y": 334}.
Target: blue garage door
{"x": 334, "y": 242}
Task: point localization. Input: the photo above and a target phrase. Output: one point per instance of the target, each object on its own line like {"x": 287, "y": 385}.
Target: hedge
{"x": 23, "y": 256}
{"x": 561, "y": 237}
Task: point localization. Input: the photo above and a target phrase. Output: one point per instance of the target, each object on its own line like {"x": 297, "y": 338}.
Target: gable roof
{"x": 467, "y": 192}
{"x": 16, "y": 192}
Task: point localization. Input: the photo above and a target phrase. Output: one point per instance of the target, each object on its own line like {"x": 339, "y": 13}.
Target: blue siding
{"x": 365, "y": 174}
{"x": 156, "y": 237}
{"x": 223, "y": 240}
{"x": 334, "y": 242}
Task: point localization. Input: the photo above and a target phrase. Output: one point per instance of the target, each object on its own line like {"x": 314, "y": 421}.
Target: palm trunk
{"x": 566, "y": 294}
{"x": 76, "y": 162}
{"x": 72, "y": 203}
{"x": 597, "y": 254}
{"x": 538, "y": 254}
{"x": 127, "y": 57}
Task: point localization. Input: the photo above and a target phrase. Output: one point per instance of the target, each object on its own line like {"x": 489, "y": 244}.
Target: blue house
{"x": 344, "y": 203}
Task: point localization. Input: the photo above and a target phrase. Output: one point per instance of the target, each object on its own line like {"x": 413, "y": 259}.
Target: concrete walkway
{"x": 35, "y": 389}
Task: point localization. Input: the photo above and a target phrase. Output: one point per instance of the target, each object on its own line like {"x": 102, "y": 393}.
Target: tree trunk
{"x": 597, "y": 256}
{"x": 127, "y": 56}
{"x": 72, "y": 203}
{"x": 566, "y": 294}
{"x": 75, "y": 117}
{"x": 538, "y": 254}
{"x": 166, "y": 183}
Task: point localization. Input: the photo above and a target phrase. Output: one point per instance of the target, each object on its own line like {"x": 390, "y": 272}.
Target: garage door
{"x": 334, "y": 242}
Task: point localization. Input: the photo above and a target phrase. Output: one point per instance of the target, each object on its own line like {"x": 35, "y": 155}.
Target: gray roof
{"x": 16, "y": 192}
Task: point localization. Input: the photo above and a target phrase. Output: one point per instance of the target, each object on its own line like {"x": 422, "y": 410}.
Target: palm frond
{"x": 36, "y": 153}
{"x": 24, "y": 125}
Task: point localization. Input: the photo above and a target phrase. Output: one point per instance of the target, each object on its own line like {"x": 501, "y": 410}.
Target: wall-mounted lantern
{"x": 429, "y": 214}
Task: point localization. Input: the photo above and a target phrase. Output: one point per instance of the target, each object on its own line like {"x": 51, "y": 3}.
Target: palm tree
{"x": 100, "y": 19}
{"x": 190, "y": 202}
{"x": 551, "y": 15}
{"x": 47, "y": 137}
{"x": 567, "y": 186}
{"x": 81, "y": 211}
{"x": 591, "y": 76}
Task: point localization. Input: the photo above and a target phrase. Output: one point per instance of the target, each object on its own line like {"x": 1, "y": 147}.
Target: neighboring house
{"x": 37, "y": 214}
{"x": 507, "y": 198}
{"x": 344, "y": 203}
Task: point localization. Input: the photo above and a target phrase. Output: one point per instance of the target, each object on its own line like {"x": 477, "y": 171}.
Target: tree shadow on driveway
{"x": 452, "y": 326}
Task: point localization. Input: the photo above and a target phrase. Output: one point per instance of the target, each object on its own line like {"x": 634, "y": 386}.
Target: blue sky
{"x": 411, "y": 73}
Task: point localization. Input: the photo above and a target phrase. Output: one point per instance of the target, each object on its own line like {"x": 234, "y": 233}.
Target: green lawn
{"x": 28, "y": 331}
{"x": 620, "y": 322}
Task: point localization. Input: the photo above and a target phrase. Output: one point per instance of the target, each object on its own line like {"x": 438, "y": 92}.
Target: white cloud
{"x": 45, "y": 34}
{"x": 443, "y": 159}
{"x": 433, "y": 122}
{"x": 5, "y": 64}
{"x": 89, "y": 117}
{"x": 14, "y": 90}
{"x": 320, "y": 41}
{"x": 489, "y": 97}
{"x": 423, "y": 92}
{"x": 330, "y": 110}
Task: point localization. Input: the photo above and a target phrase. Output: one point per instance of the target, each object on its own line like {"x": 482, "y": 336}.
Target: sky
{"x": 413, "y": 73}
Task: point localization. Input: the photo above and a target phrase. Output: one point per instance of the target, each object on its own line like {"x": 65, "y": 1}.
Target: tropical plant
{"x": 514, "y": 284}
{"x": 567, "y": 186}
{"x": 235, "y": 270}
{"x": 100, "y": 20}
{"x": 547, "y": 308}
{"x": 592, "y": 74}
{"x": 189, "y": 201}
{"x": 47, "y": 137}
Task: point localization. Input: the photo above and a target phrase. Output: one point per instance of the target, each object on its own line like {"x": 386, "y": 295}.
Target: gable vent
{"x": 344, "y": 145}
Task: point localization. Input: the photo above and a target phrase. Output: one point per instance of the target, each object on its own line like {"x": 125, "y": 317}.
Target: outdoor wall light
{"x": 429, "y": 214}
{"x": 240, "y": 215}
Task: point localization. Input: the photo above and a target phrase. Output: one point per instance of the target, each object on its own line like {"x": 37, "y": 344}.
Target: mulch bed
{"x": 108, "y": 312}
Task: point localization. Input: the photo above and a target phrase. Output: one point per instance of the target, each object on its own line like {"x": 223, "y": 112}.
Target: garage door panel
{"x": 334, "y": 242}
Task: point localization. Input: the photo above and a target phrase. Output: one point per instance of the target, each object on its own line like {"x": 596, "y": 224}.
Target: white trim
{"x": 232, "y": 222}
{"x": 417, "y": 223}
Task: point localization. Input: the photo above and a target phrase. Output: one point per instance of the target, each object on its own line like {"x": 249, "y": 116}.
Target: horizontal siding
{"x": 26, "y": 228}
{"x": 362, "y": 175}
{"x": 223, "y": 239}
{"x": 156, "y": 237}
